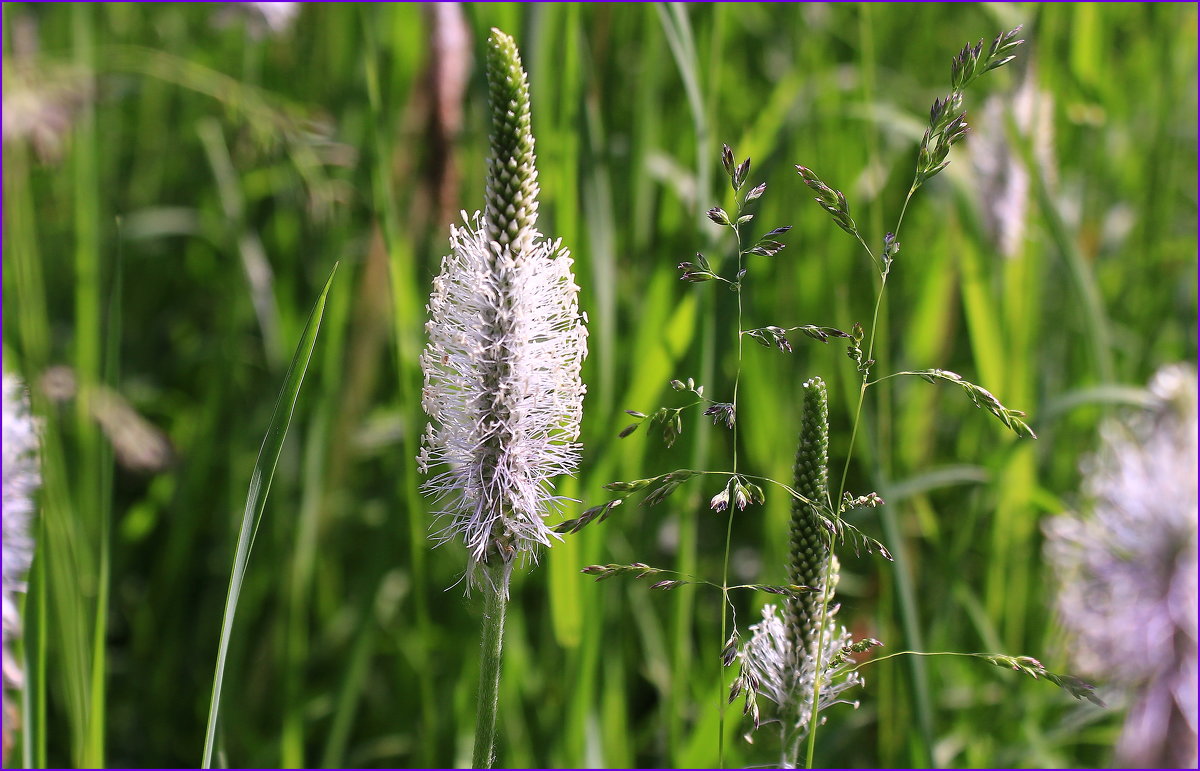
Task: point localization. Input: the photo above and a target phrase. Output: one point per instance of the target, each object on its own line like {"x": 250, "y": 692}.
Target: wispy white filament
{"x": 1127, "y": 572}
{"x": 502, "y": 389}
{"x": 21, "y": 480}
{"x": 769, "y": 656}
{"x": 787, "y": 677}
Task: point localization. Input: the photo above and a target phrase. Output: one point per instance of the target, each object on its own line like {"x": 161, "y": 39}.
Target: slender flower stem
{"x": 724, "y": 630}
{"x": 862, "y": 394}
{"x": 495, "y": 591}
{"x": 944, "y": 131}
{"x": 862, "y": 391}
{"x": 737, "y": 231}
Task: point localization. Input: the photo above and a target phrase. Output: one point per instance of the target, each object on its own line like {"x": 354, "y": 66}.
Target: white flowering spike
{"x": 1127, "y": 572}
{"x": 799, "y": 652}
{"x": 21, "y": 480}
{"x": 506, "y": 343}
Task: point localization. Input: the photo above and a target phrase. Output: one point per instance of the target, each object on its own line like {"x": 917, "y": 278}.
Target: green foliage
{"x": 344, "y": 655}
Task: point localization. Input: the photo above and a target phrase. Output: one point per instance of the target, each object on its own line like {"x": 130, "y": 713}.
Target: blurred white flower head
{"x": 21, "y": 480}
{"x": 278, "y": 16}
{"x": 1127, "y": 570}
{"x": 1001, "y": 175}
{"x": 262, "y": 19}
{"x": 42, "y": 96}
{"x": 139, "y": 444}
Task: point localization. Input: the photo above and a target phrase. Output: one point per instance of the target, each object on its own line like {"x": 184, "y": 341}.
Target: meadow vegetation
{"x": 181, "y": 180}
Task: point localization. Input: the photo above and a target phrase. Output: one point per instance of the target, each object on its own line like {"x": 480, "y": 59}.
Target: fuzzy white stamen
{"x": 502, "y": 389}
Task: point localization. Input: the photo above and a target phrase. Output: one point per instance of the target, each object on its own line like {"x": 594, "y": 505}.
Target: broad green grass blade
{"x": 407, "y": 325}
{"x": 256, "y": 499}
{"x": 677, "y": 29}
{"x": 90, "y": 466}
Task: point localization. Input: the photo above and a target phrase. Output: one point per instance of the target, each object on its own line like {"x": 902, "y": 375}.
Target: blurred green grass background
{"x": 168, "y": 245}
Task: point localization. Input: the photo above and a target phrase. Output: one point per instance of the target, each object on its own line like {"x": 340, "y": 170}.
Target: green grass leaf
{"x": 256, "y": 500}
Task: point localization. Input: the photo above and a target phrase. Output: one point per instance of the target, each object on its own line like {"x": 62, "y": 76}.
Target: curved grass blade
{"x": 256, "y": 498}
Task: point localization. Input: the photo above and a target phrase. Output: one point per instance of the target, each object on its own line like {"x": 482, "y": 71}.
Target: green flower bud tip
{"x": 512, "y": 189}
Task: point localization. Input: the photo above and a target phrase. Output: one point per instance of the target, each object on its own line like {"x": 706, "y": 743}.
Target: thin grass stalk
{"x": 104, "y": 458}
{"x": 945, "y": 130}
{"x": 67, "y": 564}
{"x": 882, "y": 456}
{"x": 862, "y": 393}
{"x": 353, "y": 682}
{"x": 89, "y": 468}
{"x": 908, "y": 610}
{"x": 299, "y": 584}
{"x": 25, "y": 263}
{"x": 255, "y": 266}
{"x": 725, "y": 603}
{"x": 33, "y": 696}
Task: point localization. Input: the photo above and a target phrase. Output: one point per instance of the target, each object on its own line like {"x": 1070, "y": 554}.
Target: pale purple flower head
{"x": 21, "y": 480}
{"x": 1127, "y": 572}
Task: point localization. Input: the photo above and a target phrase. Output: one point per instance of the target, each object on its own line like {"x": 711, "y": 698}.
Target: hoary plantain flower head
{"x": 1127, "y": 572}
{"x": 506, "y": 343}
{"x": 773, "y": 666}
